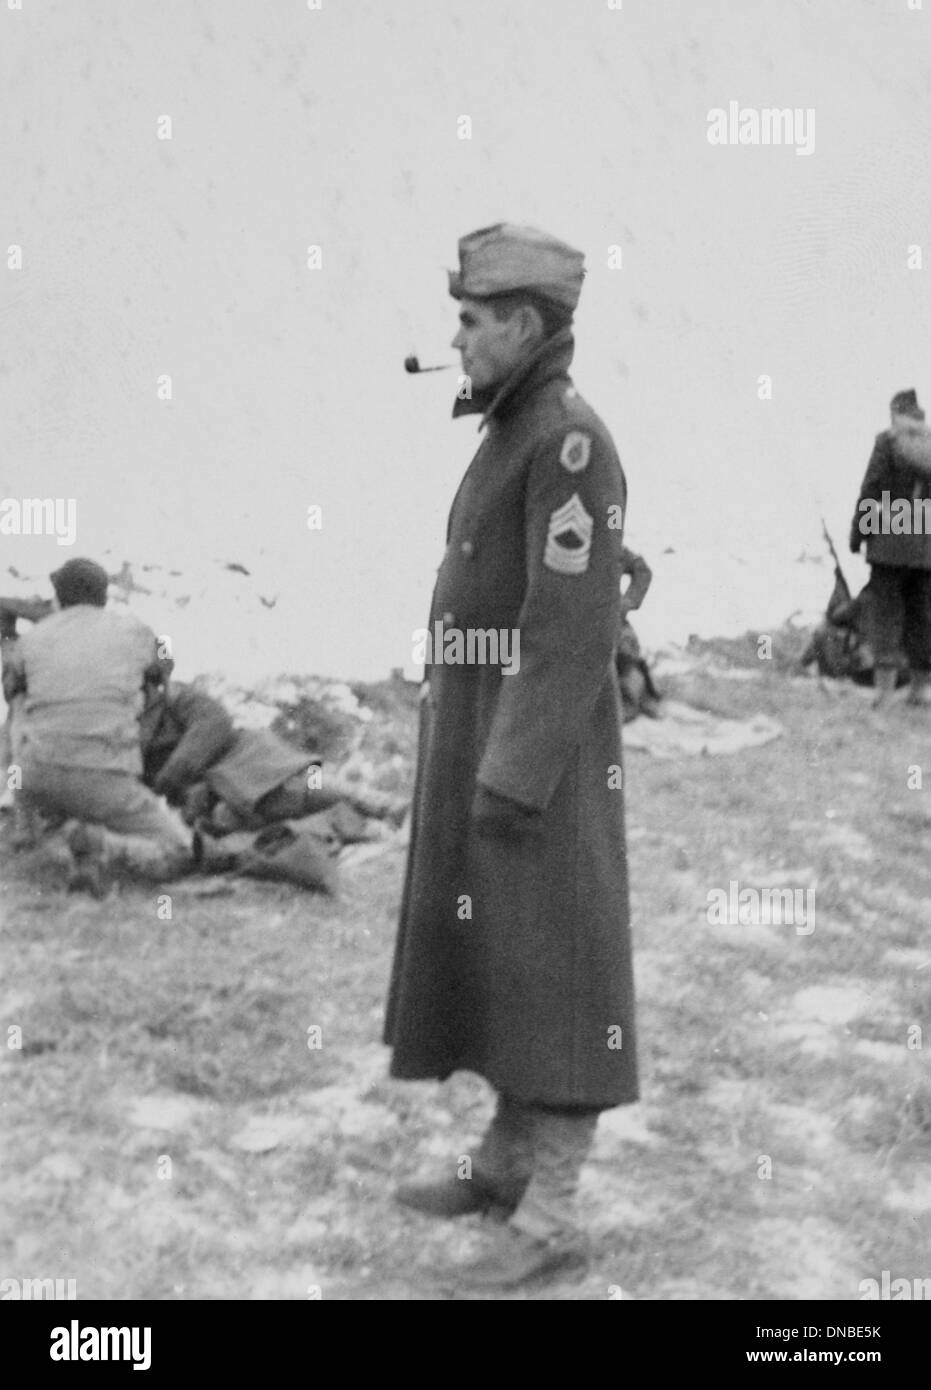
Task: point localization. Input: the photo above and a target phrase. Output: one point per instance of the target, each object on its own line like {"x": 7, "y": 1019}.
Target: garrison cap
{"x": 503, "y": 258}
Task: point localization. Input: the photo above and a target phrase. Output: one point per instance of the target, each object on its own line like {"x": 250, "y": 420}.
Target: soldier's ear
{"x": 531, "y": 324}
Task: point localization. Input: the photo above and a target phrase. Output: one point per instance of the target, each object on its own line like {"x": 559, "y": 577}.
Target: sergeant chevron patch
{"x": 569, "y": 538}
{"x": 576, "y": 448}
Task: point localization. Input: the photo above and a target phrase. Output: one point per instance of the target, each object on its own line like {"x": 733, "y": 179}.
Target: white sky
{"x": 338, "y": 127}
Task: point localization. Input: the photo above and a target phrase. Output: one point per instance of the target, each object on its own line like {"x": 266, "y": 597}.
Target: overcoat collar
{"x": 551, "y": 359}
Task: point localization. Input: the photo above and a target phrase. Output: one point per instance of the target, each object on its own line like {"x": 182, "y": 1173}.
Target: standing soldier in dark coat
{"x": 513, "y": 954}
{"x": 899, "y": 553}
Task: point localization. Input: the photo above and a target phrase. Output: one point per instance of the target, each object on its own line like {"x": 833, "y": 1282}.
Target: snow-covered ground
{"x": 218, "y": 623}
{"x": 175, "y": 362}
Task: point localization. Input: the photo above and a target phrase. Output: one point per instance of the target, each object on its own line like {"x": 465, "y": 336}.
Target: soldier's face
{"x": 490, "y": 347}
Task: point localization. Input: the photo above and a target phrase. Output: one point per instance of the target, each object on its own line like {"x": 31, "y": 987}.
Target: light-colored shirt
{"x": 84, "y": 668}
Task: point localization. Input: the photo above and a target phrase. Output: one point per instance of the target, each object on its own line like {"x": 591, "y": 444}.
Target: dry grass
{"x": 146, "y": 1040}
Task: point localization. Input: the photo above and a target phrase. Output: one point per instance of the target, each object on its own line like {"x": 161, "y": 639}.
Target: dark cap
{"x": 80, "y": 581}
{"x": 906, "y": 403}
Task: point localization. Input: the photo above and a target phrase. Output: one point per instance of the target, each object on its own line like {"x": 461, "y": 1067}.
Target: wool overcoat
{"x": 513, "y": 959}
{"x": 888, "y": 472}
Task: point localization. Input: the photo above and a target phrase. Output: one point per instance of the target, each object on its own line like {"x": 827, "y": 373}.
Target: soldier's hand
{"x": 497, "y": 817}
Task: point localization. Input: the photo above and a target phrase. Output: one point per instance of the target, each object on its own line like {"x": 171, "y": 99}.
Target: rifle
{"x": 838, "y": 572}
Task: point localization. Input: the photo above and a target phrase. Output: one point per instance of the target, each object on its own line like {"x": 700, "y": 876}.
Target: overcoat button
{"x": 467, "y": 547}
{"x": 448, "y": 620}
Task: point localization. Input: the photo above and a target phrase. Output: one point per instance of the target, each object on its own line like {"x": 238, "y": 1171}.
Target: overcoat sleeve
{"x": 871, "y": 487}
{"x": 574, "y": 509}
{"x": 641, "y": 577}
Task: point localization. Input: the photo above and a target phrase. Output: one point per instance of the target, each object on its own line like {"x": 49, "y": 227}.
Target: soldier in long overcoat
{"x": 513, "y": 956}
{"x": 894, "y": 497}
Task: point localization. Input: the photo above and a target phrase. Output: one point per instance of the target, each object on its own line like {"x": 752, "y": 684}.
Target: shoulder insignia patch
{"x": 576, "y": 448}
{"x": 569, "y": 538}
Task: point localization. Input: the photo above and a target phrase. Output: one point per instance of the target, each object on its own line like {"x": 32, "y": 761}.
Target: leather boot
{"x": 514, "y": 1258}
{"x": 541, "y": 1239}
{"x": 91, "y": 869}
{"x": 450, "y": 1197}
{"x": 500, "y": 1171}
